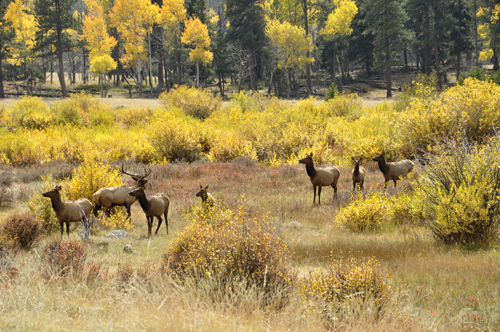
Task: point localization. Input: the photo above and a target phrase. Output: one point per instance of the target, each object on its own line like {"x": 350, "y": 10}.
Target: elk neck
{"x": 356, "y": 169}
{"x": 311, "y": 171}
{"x": 57, "y": 203}
{"x": 144, "y": 202}
{"x": 382, "y": 165}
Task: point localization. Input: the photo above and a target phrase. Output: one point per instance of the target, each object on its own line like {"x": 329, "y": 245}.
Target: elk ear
{"x": 311, "y": 154}
{"x": 58, "y": 187}
{"x": 201, "y": 187}
{"x": 144, "y": 181}
{"x": 206, "y": 187}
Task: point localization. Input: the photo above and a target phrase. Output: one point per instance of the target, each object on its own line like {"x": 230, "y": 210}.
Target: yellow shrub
{"x": 67, "y": 111}
{"x": 228, "y": 146}
{"x": 348, "y": 106}
{"x": 345, "y": 287}
{"x": 365, "y": 213}
{"x": 198, "y": 103}
{"x": 173, "y": 139}
{"x": 225, "y": 247}
{"x": 134, "y": 116}
{"x": 116, "y": 220}
{"x": 28, "y": 112}
{"x": 100, "y": 116}
{"x": 90, "y": 176}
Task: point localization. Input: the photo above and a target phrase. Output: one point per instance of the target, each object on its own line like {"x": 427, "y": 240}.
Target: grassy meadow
{"x": 247, "y": 151}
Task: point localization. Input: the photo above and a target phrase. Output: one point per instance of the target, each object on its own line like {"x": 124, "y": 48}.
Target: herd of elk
{"x": 158, "y": 204}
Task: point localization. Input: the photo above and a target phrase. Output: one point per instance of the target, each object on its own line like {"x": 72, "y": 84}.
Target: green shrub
{"x": 332, "y": 92}
{"x": 223, "y": 247}
{"x": 198, "y": 103}
{"x": 23, "y": 228}
{"x": 63, "y": 258}
{"x": 475, "y": 73}
{"x": 344, "y": 288}
{"x": 495, "y": 78}
{"x": 460, "y": 186}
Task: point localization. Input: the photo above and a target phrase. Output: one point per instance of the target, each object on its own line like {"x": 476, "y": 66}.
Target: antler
{"x": 139, "y": 176}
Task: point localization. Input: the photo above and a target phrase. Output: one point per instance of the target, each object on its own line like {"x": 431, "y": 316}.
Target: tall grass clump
{"x": 344, "y": 288}
{"x": 222, "y": 248}
{"x": 63, "y": 258}
{"x": 460, "y": 187}
{"x": 196, "y": 102}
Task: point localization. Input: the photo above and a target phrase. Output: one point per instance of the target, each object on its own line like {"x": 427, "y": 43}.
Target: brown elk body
{"x": 68, "y": 211}
{"x": 118, "y": 196}
{"x": 393, "y": 170}
{"x": 358, "y": 175}
{"x": 206, "y": 198}
{"x": 328, "y": 176}
{"x": 153, "y": 206}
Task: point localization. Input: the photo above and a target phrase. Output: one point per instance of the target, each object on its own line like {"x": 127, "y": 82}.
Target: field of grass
{"x": 247, "y": 151}
{"x": 436, "y": 287}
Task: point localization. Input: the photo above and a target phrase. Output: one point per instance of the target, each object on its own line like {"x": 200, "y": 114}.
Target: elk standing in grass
{"x": 328, "y": 176}
{"x": 393, "y": 170}
{"x": 118, "y": 196}
{"x": 206, "y": 198}
{"x": 68, "y": 211}
{"x": 358, "y": 175}
{"x": 153, "y": 206}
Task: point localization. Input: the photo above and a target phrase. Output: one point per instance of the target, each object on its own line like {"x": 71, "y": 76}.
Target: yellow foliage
{"x": 196, "y": 102}
{"x": 338, "y": 23}
{"x": 228, "y": 146}
{"x": 25, "y": 27}
{"x": 28, "y": 112}
{"x": 364, "y": 213}
{"x": 116, "y": 220}
{"x": 196, "y": 34}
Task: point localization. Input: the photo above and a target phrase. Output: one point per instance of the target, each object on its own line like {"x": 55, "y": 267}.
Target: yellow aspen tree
{"x": 134, "y": 21}
{"x": 100, "y": 43}
{"x": 488, "y": 31}
{"x": 25, "y": 28}
{"x": 196, "y": 35}
{"x": 289, "y": 47}
{"x": 338, "y": 24}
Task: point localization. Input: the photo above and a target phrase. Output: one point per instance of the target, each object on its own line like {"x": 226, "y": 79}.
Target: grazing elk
{"x": 68, "y": 211}
{"x": 358, "y": 175}
{"x": 153, "y": 206}
{"x": 328, "y": 176}
{"x": 206, "y": 198}
{"x": 393, "y": 170}
{"x": 118, "y": 196}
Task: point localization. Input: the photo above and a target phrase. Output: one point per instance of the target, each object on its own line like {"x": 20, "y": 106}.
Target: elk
{"x": 153, "y": 206}
{"x": 118, "y": 196}
{"x": 68, "y": 211}
{"x": 206, "y": 198}
{"x": 393, "y": 170}
{"x": 358, "y": 175}
{"x": 328, "y": 176}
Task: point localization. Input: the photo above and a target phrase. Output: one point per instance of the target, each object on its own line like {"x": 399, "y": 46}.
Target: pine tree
{"x": 55, "y": 18}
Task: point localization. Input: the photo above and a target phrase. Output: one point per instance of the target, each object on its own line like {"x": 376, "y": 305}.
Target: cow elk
{"x": 206, "y": 198}
{"x": 358, "y": 175}
{"x": 393, "y": 170}
{"x": 153, "y": 206}
{"x": 118, "y": 196}
{"x": 328, "y": 176}
{"x": 68, "y": 211}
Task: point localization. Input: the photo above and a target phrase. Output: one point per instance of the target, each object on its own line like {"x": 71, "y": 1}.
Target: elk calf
{"x": 68, "y": 211}
{"x": 328, "y": 176}
{"x": 358, "y": 175}
{"x": 153, "y": 206}
{"x": 393, "y": 170}
{"x": 206, "y": 198}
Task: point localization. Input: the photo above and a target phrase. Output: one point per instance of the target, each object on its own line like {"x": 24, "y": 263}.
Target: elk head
{"x": 203, "y": 192}
{"x": 307, "y": 160}
{"x": 54, "y": 193}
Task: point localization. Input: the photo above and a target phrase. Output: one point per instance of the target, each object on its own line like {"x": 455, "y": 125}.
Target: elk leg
{"x": 67, "y": 228}
{"x": 362, "y": 185}
{"x": 159, "y": 224}
{"x": 314, "y": 200}
{"x": 319, "y": 194}
{"x": 385, "y": 186}
{"x": 150, "y": 225}
{"x": 129, "y": 214}
{"x": 394, "y": 184}
{"x": 62, "y": 228}
{"x": 166, "y": 221}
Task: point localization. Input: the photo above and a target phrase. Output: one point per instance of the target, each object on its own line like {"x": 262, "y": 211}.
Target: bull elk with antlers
{"x": 118, "y": 196}
{"x": 68, "y": 211}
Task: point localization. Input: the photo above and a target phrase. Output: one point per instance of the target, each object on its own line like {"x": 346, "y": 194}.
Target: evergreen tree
{"x": 6, "y": 34}
{"x": 54, "y": 18}
{"x": 247, "y": 24}
{"x": 386, "y": 20}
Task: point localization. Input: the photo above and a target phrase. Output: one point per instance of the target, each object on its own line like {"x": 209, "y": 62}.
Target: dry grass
{"x": 436, "y": 287}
